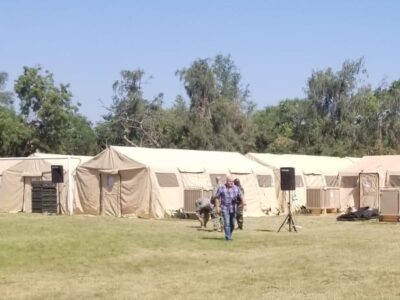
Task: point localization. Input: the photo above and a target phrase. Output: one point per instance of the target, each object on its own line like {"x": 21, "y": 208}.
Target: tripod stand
{"x": 289, "y": 219}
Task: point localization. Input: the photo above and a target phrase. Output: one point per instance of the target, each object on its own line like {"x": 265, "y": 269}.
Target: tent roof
{"x": 375, "y": 163}
{"x": 191, "y": 160}
{"x": 110, "y": 160}
{"x": 308, "y": 164}
{"x": 31, "y": 167}
{"x": 61, "y": 159}
{"x": 6, "y": 164}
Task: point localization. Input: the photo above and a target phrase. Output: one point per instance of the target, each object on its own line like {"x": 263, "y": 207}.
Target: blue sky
{"x": 275, "y": 44}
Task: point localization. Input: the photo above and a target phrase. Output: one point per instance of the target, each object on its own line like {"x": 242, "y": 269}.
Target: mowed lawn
{"x": 61, "y": 257}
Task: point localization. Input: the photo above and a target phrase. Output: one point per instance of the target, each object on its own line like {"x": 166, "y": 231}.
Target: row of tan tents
{"x": 145, "y": 182}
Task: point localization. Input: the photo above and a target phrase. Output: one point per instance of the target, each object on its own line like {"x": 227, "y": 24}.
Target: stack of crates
{"x": 44, "y": 197}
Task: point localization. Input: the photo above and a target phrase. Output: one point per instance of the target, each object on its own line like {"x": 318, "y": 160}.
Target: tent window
{"x": 213, "y": 179}
{"x": 394, "y": 180}
{"x": 167, "y": 179}
{"x": 348, "y": 181}
{"x": 264, "y": 180}
{"x": 110, "y": 181}
{"x": 331, "y": 181}
{"x": 299, "y": 181}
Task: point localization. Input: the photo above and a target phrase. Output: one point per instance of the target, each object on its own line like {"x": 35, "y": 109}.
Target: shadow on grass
{"x": 205, "y": 230}
{"x": 213, "y": 238}
{"x": 266, "y": 230}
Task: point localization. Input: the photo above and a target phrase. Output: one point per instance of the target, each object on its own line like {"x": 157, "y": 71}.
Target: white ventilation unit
{"x": 389, "y": 204}
{"x": 323, "y": 198}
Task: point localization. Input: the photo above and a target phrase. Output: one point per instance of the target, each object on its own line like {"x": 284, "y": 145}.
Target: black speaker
{"x": 57, "y": 173}
{"x": 288, "y": 180}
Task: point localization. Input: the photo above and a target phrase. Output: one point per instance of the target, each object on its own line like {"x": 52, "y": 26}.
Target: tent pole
{"x": 70, "y": 204}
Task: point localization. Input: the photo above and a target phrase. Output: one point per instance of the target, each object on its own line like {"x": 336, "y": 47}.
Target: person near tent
{"x": 216, "y": 212}
{"x": 203, "y": 210}
{"x": 240, "y": 204}
{"x": 227, "y": 195}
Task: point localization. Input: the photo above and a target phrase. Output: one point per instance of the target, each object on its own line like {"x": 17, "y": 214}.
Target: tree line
{"x": 340, "y": 115}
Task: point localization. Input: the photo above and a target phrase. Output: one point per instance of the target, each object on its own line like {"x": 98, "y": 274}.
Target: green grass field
{"x": 60, "y": 257}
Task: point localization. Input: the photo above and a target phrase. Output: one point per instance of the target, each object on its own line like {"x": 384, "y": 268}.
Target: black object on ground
{"x": 363, "y": 213}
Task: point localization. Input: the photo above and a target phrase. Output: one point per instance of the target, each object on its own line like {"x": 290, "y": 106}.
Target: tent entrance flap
{"x": 27, "y": 196}
{"x": 110, "y": 200}
{"x": 369, "y": 190}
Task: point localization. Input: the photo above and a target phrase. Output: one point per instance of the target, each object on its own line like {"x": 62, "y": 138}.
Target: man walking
{"x": 239, "y": 204}
{"x": 228, "y": 195}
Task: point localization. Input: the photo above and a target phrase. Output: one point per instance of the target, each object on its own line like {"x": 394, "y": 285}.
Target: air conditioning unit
{"x": 315, "y": 198}
{"x": 389, "y": 204}
{"x": 331, "y": 197}
{"x": 189, "y": 200}
{"x": 323, "y": 198}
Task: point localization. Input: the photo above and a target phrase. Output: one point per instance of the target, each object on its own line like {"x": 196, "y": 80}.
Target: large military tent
{"x": 156, "y": 182}
{"x": 67, "y": 189}
{"x": 16, "y": 189}
{"x": 16, "y": 186}
{"x": 310, "y": 172}
{"x": 360, "y": 182}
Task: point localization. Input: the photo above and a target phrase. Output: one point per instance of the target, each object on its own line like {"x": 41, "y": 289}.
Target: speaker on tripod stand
{"x": 288, "y": 184}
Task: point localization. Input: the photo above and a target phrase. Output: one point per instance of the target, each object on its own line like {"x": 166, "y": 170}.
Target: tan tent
{"x": 156, "y": 182}
{"x": 15, "y": 190}
{"x": 360, "y": 183}
{"x": 311, "y": 172}
{"x": 67, "y": 191}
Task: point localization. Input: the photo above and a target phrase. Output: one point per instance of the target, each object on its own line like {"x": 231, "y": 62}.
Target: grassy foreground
{"x": 60, "y": 257}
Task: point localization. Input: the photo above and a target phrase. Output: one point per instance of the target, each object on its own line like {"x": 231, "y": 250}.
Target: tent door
{"x": 369, "y": 190}
{"x": 27, "y": 200}
{"x": 110, "y": 201}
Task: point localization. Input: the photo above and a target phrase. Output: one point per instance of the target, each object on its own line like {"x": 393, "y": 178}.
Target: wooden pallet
{"x": 315, "y": 211}
{"x": 319, "y": 211}
{"x": 383, "y": 218}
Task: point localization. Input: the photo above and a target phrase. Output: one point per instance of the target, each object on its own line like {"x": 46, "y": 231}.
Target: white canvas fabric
{"x": 384, "y": 166}
{"x": 310, "y": 171}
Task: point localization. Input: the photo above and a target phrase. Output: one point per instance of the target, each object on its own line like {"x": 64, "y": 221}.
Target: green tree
{"x": 174, "y": 125}
{"x": 219, "y": 106}
{"x": 80, "y": 137}
{"x": 334, "y": 109}
{"x": 131, "y": 119}
{"x": 13, "y": 134}
{"x": 6, "y": 98}
{"x": 200, "y": 86}
{"x": 47, "y": 110}
{"x": 384, "y": 108}
{"x": 331, "y": 92}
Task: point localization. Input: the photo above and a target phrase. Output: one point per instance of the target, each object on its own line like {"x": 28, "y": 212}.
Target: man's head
{"x": 236, "y": 182}
{"x": 229, "y": 180}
